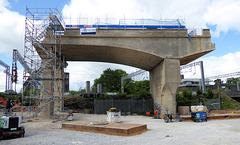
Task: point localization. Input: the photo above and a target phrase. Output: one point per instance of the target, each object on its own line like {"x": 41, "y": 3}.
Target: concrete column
{"x": 164, "y": 80}
{"x": 58, "y": 91}
{"x": 47, "y": 84}
{"x": 55, "y": 91}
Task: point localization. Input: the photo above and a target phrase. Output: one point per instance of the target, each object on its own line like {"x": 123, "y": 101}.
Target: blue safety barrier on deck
{"x": 128, "y": 26}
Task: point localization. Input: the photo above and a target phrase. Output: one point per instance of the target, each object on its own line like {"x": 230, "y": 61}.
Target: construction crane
{"x": 17, "y": 57}
{"x": 8, "y": 76}
{"x": 129, "y": 76}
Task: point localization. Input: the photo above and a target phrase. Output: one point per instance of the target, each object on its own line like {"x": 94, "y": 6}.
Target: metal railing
{"x": 114, "y": 23}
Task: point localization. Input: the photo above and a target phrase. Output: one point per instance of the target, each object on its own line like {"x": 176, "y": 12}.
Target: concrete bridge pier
{"x": 52, "y": 101}
{"x": 164, "y": 80}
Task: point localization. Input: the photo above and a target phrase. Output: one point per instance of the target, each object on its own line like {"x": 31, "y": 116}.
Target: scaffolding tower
{"x": 43, "y": 82}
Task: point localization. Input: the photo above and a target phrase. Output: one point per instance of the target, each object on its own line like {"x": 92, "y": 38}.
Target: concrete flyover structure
{"x": 160, "y": 51}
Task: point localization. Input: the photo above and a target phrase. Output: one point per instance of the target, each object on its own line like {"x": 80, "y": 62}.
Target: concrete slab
{"x": 121, "y": 129}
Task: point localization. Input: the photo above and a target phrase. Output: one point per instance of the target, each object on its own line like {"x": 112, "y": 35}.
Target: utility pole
{"x": 202, "y": 77}
{"x": 219, "y": 98}
{"x": 202, "y": 82}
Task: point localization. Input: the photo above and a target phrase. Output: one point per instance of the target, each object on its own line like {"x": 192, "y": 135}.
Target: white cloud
{"x": 2, "y": 81}
{"x": 192, "y": 11}
{"x": 3, "y": 4}
{"x": 94, "y": 9}
{"x": 214, "y": 66}
{"x": 11, "y": 28}
{"x": 198, "y": 13}
{"x": 224, "y": 14}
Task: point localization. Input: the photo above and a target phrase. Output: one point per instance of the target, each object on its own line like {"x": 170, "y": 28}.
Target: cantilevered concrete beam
{"x": 159, "y": 51}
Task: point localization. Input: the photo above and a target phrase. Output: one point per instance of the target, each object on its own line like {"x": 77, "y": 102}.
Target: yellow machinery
{"x": 113, "y": 110}
{"x": 113, "y": 115}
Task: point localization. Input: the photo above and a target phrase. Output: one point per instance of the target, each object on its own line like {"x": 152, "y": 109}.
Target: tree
{"x": 110, "y": 80}
{"x": 184, "y": 98}
{"x": 209, "y": 93}
{"x": 232, "y": 81}
{"x": 139, "y": 89}
{"x": 218, "y": 82}
{"x": 198, "y": 90}
{"x": 181, "y": 101}
{"x": 187, "y": 93}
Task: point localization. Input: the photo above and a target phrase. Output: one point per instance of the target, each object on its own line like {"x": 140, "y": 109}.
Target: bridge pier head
{"x": 159, "y": 51}
{"x": 164, "y": 80}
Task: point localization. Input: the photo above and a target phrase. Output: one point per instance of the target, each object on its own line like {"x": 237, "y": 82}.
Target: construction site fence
{"x": 212, "y": 104}
{"x": 101, "y": 106}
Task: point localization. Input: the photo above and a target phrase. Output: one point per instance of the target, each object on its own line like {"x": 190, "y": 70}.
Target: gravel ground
{"x": 188, "y": 133}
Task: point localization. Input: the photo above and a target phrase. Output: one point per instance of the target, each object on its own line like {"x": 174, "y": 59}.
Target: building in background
{"x": 192, "y": 84}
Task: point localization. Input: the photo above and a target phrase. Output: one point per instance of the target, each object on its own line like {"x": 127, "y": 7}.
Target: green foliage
{"x": 219, "y": 90}
{"x": 209, "y": 93}
{"x": 185, "y": 98}
{"x": 186, "y": 93}
{"x": 110, "y": 80}
{"x": 129, "y": 86}
{"x": 181, "y": 101}
{"x": 227, "y": 90}
{"x": 198, "y": 90}
{"x": 138, "y": 89}
{"x": 73, "y": 92}
{"x": 145, "y": 95}
{"x": 232, "y": 81}
{"x": 218, "y": 82}
{"x": 26, "y": 93}
{"x": 83, "y": 91}
{"x": 77, "y": 102}
{"x": 228, "y": 103}
{"x": 2, "y": 94}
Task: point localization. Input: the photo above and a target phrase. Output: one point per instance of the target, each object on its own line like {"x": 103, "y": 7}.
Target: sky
{"x": 222, "y": 17}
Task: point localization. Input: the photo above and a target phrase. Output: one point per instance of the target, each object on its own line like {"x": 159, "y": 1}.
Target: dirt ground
{"x": 43, "y": 131}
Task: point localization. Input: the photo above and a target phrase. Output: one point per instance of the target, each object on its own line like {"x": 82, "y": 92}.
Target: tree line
{"x": 111, "y": 82}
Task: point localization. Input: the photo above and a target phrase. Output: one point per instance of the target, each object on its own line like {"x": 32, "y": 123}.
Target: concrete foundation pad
{"x": 121, "y": 129}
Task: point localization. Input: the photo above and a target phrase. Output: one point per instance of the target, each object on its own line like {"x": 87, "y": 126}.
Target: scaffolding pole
{"x": 42, "y": 53}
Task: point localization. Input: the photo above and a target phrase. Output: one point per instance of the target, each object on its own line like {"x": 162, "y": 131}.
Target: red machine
{"x": 3, "y": 102}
